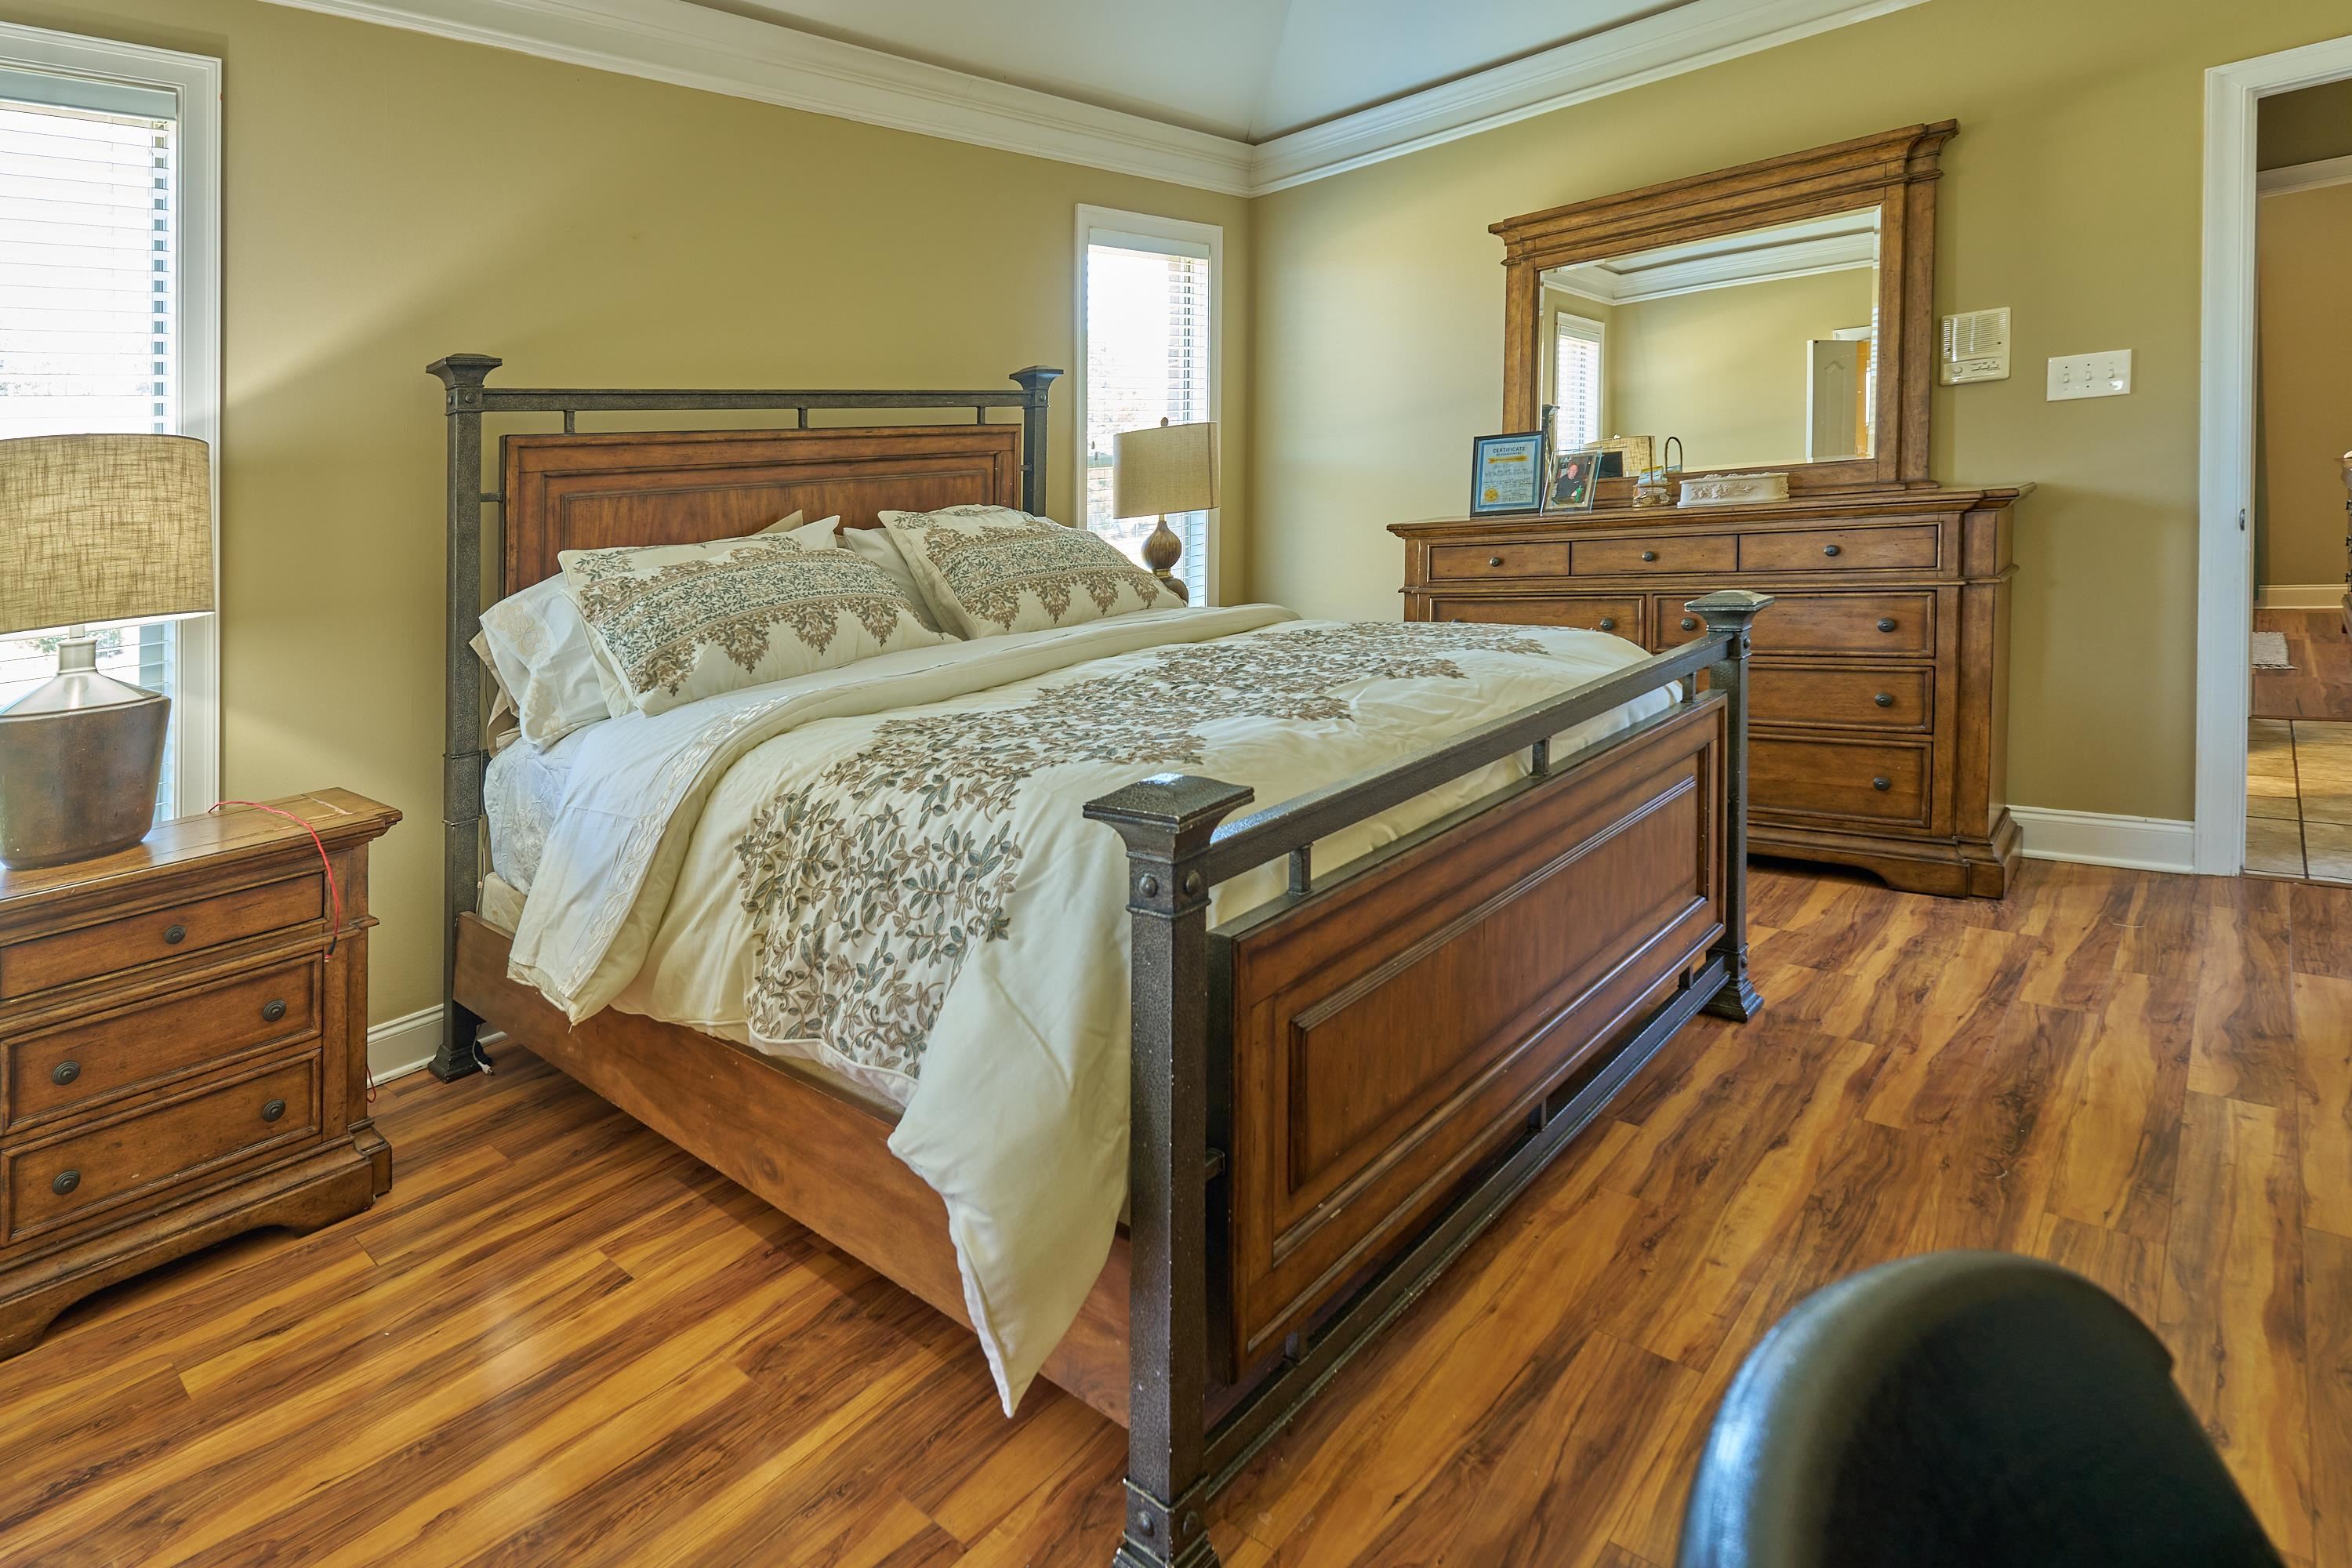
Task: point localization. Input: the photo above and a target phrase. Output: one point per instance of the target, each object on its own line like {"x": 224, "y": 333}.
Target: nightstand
{"x": 182, "y": 1055}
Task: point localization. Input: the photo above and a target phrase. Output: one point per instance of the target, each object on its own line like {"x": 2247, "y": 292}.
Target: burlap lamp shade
{"x": 1164, "y": 469}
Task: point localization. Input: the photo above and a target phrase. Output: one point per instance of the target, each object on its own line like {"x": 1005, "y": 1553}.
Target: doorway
{"x": 2254, "y": 737}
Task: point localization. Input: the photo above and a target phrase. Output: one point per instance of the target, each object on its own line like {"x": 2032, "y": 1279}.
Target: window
{"x": 1148, "y": 308}
{"x": 109, "y": 312}
{"x": 1576, "y": 382}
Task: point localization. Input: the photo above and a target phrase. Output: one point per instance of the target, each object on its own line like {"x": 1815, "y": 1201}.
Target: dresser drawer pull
{"x": 66, "y": 1182}
{"x": 273, "y": 1110}
{"x": 174, "y": 935}
{"x": 65, "y": 1072}
{"x": 1885, "y": 699}
{"x": 1886, "y": 623}
{"x": 1832, "y": 550}
{"x": 1882, "y": 784}
{"x": 1493, "y": 560}
{"x": 1608, "y": 623}
{"x": 1649, "y": 555}
{"x": 273, "y": 1009}
{"x": 1690, "y": 623}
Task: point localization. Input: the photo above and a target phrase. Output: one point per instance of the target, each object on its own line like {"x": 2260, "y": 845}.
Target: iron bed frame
{"x": 1194, "y": 1418}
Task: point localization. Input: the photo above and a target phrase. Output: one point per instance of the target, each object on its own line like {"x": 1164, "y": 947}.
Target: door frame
{"x": 2225, "y": 587}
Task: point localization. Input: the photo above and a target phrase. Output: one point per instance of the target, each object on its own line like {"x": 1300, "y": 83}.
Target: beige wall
{"x": 2071, "y": 195}
{"x": 391, "y": 197}
{"x": 2305, "y": 239}
{"x": 1725, "y": 368}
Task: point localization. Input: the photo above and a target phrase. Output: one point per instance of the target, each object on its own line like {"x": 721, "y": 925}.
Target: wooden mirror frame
{"x": 1895, "y": 170}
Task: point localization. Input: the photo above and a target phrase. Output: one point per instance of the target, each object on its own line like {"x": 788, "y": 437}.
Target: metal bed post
{"x": 1728, "y": 614}
{"x": 1168, "y": 821}
{"x": 461, "y": 756}
{"x": 1037, "y": 382}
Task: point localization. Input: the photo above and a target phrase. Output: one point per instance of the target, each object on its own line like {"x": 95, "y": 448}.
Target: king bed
{"x": 945, "y": 952}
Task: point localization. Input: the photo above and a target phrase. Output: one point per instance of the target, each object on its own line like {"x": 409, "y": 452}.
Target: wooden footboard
{"x": 1332, "y": 1095}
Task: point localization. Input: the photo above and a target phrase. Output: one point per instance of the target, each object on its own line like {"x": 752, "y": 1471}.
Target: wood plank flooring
{"x": 559, "y": 1340}
{"x": 2320, "y": 685}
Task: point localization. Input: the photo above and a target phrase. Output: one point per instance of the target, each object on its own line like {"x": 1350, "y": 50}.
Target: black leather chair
{"x": 1963, "y": 1408}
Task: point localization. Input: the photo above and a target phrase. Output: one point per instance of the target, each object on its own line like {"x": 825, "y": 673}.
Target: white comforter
{"x": 885, "y": 868}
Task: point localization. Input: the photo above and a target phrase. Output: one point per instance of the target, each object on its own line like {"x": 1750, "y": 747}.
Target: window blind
{"x": 88, "y": 305}
{"x": 1148, "y": 342}
{"x": 1576, "y": 382}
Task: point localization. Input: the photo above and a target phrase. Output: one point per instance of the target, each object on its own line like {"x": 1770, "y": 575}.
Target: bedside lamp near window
{"x": 1160, "y": 469}
{"x": 93, "y": 528}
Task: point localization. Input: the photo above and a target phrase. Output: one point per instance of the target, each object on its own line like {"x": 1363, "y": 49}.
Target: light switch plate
{"x": 2105, "y": 374}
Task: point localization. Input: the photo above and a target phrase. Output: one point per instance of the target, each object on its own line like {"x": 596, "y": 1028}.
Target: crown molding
{"x": 2305, "y": 176}
{"x": 693, "y": 46}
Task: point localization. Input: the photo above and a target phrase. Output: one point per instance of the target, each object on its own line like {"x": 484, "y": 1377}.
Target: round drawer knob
{"x": 66, "y": 1182}
{"x": 1886, "y": 623}
{"x": 1690, "y": 623}
{"x": 273, "y": 1110}
{"x": 1885, "y": 699}
{"x": 1649, "y": 555}
{"x": 1493, "y": 560}
{"x": 175, "y": 935}
{"x": 1882, "y": 786}
{"x": 274, "y": 1010}
{"x": 1608, "y": 623}
{"x": 65, "y": 1072}
{"x": 1832, "y": 550}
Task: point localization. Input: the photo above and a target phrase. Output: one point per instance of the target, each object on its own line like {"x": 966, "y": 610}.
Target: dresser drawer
{"x": 1593, "y": 612}
{"x": 1534, "y": 559}
{"x": 1900, "y": 625}
{"x": 170, "y": 931}
{"x": 1877, "y": 784}
{"x": 1892, "y": 697}
{"x": 52, "y": 1183}
{"x": 1842, "y": 550}
{"x": 91, "y": 1061}
{"x": 1708, "y": 553}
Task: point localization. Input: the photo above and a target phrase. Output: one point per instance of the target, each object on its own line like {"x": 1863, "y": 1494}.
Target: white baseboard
{"x": 2299, "y": 596}
{"x": 398, "y": 1047}
{"x": 2097, "y": 838}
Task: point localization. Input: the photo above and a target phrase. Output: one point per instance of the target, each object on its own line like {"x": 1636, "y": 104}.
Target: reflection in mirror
{"x": 1755, "y": 348}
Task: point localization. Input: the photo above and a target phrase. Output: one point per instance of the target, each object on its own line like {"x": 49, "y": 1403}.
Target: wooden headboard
{"x": 569, "y": 490}
{"x": 582, "y": 492}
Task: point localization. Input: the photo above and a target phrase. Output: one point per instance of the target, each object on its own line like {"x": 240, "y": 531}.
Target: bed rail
{"x": 468, "y": 398}
{"x": 1180, "y": 845}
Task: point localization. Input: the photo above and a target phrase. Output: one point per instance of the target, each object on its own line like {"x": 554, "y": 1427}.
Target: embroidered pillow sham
{"x": 675, "y": 623}
{"x": 874, "y": 544}
{"x": 990, "y": 569}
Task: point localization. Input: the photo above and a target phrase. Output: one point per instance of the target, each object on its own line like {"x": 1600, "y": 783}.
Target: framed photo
{"x": 1506, "y": 473}
{"x": 1574, "y": 480}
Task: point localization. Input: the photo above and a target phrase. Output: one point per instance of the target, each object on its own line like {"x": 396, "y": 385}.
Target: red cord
{"x": 334, "y": 891}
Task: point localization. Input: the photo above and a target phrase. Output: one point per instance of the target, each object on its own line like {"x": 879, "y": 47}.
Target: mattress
{"x": 523, "y": 791}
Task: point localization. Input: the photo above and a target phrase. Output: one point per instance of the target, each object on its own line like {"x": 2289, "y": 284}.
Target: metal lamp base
{"x": 80, "y": 761}
{"x": 1161, "y": 551}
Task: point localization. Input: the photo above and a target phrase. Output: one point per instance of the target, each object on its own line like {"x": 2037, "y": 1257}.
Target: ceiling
{"x": 1247, "y": 69}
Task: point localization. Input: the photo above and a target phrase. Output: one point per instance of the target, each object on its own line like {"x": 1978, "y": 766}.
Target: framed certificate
{"x": 1506, "y": 473}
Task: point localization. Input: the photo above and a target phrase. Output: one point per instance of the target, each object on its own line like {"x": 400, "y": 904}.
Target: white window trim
{"x": 195, "y": 81}
{"x": 1114, "y": 225}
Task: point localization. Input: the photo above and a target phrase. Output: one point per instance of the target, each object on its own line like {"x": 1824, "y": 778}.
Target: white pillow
{"x": 544, "y": 667}
{"x": 676, "y": 623}
{"x": 875, "y": 545}
{"x": 990, "y": 569}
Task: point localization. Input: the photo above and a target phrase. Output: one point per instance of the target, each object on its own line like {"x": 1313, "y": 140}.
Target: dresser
{"x": 1880, "y": 675}
{"x": 182, "y": 1048}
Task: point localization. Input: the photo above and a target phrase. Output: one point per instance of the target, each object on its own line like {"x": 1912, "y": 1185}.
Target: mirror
{"x": 1756, "y": 347}
{"x": 1777, "y": 316}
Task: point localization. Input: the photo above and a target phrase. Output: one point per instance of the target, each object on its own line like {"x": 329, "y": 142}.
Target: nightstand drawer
{"x": 161, "y": 1146}
{"x": 174, "y": 930}
{"x": 91, "y": 1061}
{"x": 1534, "y": 560}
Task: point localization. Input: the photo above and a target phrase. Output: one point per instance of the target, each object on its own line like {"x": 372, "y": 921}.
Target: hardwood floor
{"x": 561, "y": 1341}
{"x": 2320, "y": 685}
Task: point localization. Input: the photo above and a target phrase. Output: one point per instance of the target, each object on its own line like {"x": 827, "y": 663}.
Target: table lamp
{"x": 92, "y": 529}
{"x": 1160, "y": 469}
